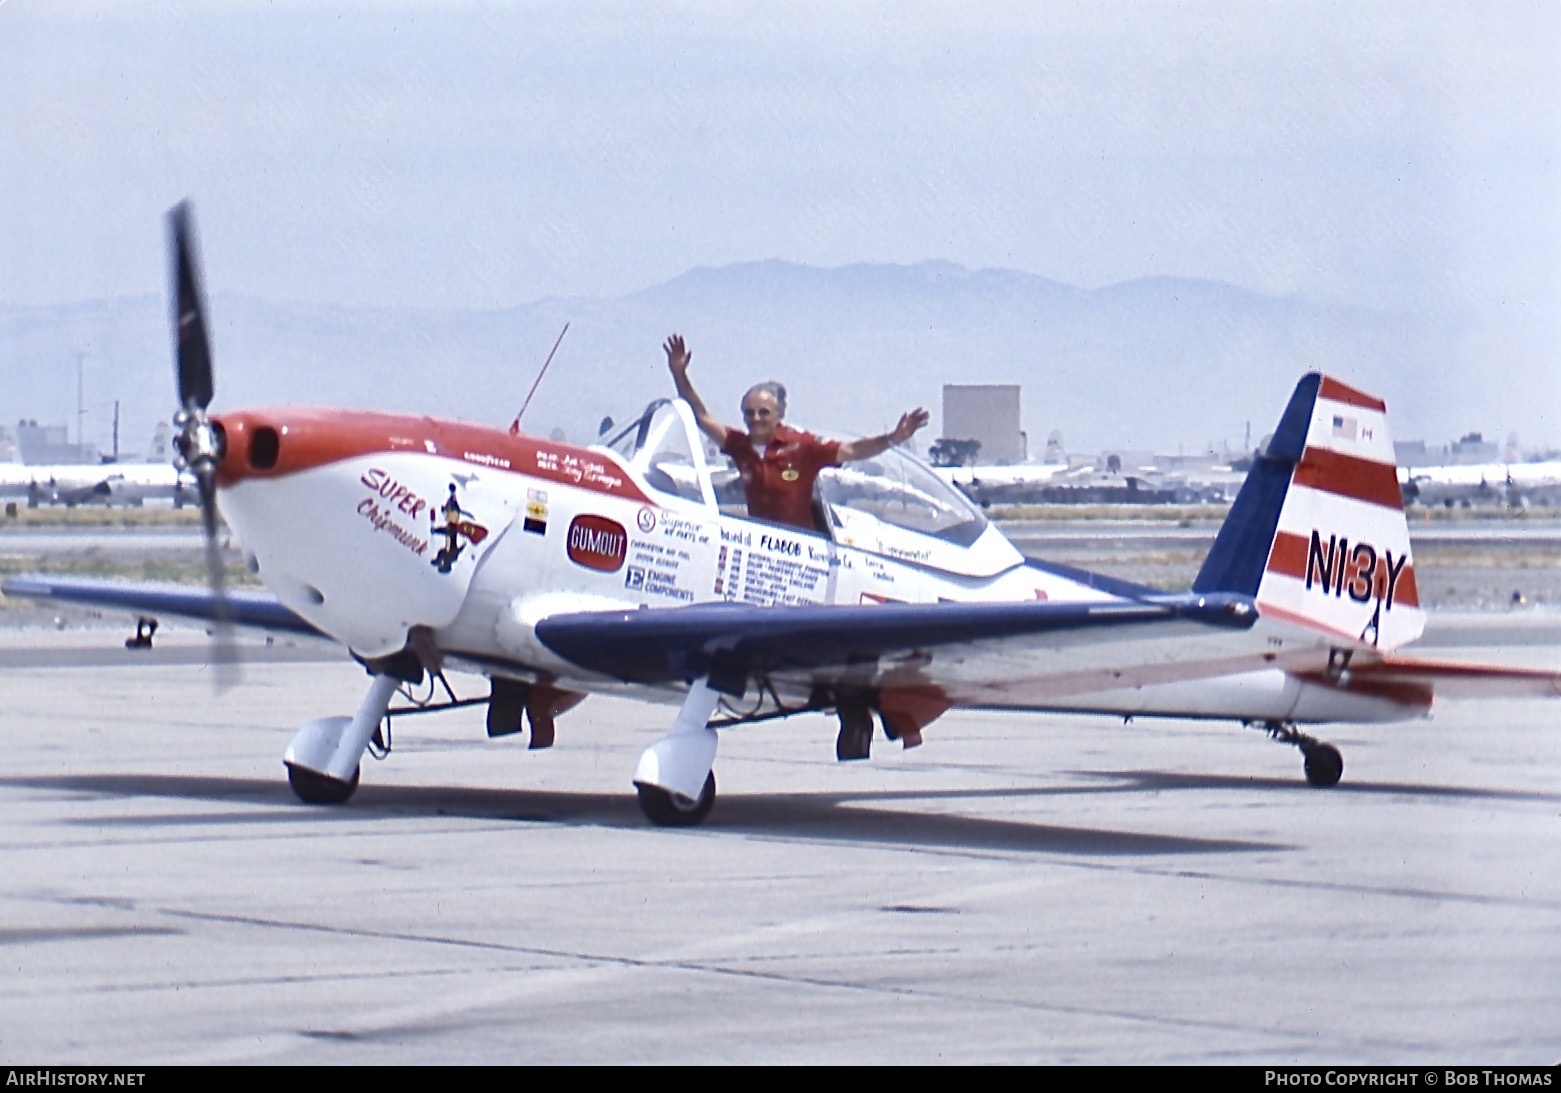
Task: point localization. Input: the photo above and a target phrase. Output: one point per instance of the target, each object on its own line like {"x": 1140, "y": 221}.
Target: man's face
{"x": 761, "y": 413}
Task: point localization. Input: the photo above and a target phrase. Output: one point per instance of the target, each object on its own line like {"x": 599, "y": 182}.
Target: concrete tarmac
{"x": 1020, "y": 889}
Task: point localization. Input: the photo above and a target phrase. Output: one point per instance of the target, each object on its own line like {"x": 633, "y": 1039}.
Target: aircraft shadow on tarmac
{"x": 865, "y": 817}
{"x": 1138, "y": 781}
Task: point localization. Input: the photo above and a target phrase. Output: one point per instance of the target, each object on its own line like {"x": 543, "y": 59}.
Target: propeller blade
{"x": 225, "y": 650}
{"x": 199, "y": 442}
{"x": 192, "y": 349}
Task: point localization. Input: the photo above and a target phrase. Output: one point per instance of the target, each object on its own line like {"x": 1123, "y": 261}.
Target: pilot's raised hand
{"x": 678, "y": 355}
{"x": 909, "y": 423}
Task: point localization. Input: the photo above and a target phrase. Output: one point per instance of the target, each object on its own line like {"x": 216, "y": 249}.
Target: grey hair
{"x": 776, "y": 391}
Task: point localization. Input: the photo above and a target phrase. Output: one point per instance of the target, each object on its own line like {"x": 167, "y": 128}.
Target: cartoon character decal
{"x": 454, "y": 530}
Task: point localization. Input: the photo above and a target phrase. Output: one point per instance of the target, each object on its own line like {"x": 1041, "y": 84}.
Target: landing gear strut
{"x": 145, "y": 628}
{"x": 855, "y": 740}
{"x": 323, "y": 759}
{"x": 674, "y": 780}
{"x": 1323, "y": 764}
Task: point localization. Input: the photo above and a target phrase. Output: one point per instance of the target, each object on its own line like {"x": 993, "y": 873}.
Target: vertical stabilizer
{"x": 1317, "y": 535}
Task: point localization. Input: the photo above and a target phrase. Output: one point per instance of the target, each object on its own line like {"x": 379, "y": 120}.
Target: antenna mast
{"x": 515, "y": 425}
{"x": 81, "y": 413}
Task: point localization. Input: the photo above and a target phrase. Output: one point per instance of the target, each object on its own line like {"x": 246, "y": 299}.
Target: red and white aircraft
{"x": 555, "y": 571}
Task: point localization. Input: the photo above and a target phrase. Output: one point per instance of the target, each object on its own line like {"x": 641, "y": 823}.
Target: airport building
{"x": 988, "y": 413}
{"x": 1469, "y": 449}
{"x": 51, "y": 444}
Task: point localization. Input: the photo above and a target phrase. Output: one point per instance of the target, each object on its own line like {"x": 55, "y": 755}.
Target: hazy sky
{"x": 1398, "y": 155}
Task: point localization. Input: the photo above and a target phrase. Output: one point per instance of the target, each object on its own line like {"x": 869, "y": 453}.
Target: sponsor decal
{"x": 536, "y": 518}
{"x": 656, "y": 582}
{"x": 781, "y": 546}
{"x": 676, "y": 527}
{"x": 487, "y": 460}
{"x": 454, "y": 530}
{"x": 646, "y": 519}
{"x": 596, "y": 542}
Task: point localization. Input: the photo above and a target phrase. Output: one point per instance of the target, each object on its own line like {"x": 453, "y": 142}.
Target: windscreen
{"x": 900, "y": 491}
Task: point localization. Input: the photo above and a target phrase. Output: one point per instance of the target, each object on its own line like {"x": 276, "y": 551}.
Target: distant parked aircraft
{"x": 1514, "y": 484}
{"x": 96, "y": 484}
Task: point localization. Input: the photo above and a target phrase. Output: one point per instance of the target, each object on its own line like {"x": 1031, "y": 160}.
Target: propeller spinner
{"x": 199, "y": 442}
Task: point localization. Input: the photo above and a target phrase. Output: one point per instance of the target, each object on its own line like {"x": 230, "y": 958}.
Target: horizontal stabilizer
{"x": 1452, "y": 679}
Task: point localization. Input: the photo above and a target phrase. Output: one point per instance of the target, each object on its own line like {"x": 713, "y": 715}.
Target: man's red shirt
{"x": 779, "y": 483}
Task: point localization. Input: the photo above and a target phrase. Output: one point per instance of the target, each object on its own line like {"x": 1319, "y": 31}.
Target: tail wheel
{"x": 1324, "y": 765}
{"x": 314, "y": 788}
{"x": 666, "y": 809}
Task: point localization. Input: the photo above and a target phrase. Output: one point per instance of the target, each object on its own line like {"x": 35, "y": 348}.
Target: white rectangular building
{"x": 988, "y": 412}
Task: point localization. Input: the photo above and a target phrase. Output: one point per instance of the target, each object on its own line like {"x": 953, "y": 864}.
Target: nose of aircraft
{"x": 359, "y": 522}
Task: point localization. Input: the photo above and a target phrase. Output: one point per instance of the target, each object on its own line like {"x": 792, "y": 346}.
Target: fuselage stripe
{"x": 304, "y": 438}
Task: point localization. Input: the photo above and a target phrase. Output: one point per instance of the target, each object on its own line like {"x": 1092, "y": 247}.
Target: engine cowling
{"x": 356, "y": 525}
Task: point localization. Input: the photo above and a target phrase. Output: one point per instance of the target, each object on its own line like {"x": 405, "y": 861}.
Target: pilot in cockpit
{"x": 779, "y": 464}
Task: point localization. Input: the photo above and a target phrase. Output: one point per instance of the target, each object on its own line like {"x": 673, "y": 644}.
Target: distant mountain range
{"x": 1159, "y": 363}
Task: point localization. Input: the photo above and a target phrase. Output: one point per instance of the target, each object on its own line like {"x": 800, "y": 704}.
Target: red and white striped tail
{"x": 1341, "y": 560}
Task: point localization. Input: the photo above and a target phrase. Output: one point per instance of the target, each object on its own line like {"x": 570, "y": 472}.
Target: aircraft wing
{"x": 1031, "y": 655}
{"x": 732, "y": 643}
{"x": 241, "y": 607}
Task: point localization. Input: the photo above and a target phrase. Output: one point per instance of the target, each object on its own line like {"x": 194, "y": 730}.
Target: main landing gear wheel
{"x": 666, "y": 809}
{"x": 1324, "y": 765}
{"x": 313, "y": 788}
